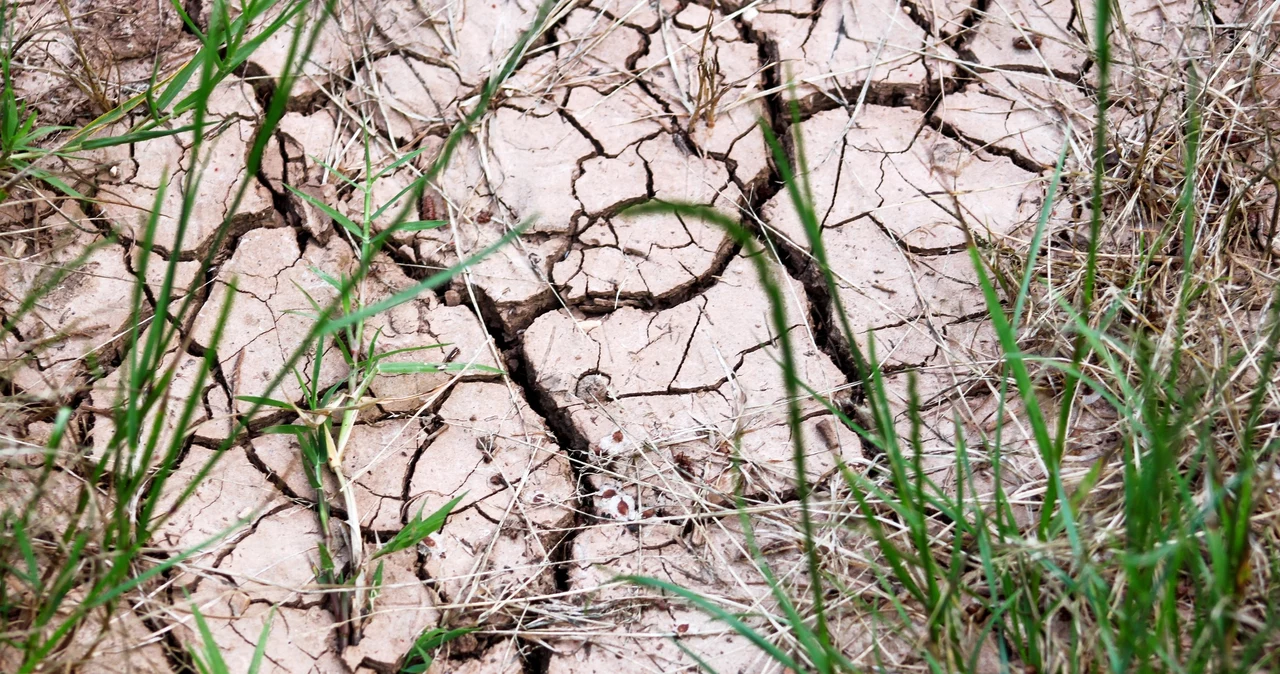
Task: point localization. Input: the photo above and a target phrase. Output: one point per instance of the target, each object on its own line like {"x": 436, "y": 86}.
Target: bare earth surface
{"x": 634, "y": 349}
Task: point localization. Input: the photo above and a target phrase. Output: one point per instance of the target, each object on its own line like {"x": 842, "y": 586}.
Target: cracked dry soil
{"x": 633, "y": 349}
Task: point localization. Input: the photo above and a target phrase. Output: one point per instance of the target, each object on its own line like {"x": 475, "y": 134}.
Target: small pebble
{"x": 1027, "y": 43}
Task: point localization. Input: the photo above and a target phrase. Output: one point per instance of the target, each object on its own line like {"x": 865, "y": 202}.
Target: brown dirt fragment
{"x": 520, "y": 491}
{"x": 234, "y": 490}
{"x": 630, "y": 629}
{"x": 502, "y": 657}
{"x": 630, "y": 128}
{"x": 128, "y": 193}
{"x": 646, "y": 341}
{"x": 266, "y": 322}
{"x": 299, "y": 640}
{"x": 830, "y": 49}
{"x": 79, "y": 58}
{"x": 115, "y": 642}
{"x": 1030, "y": 115}
{"x": 682, "y": 383}
{"x": 82, "y": 316}
{"x": 897, "y": 201}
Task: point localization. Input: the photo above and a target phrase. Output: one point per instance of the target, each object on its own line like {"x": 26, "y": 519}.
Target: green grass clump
{"x": 58, "y": 581}
{"x": 62, "y": 578}
{"x": 1159, "y": 571}
{"x": 1149, "y": 562}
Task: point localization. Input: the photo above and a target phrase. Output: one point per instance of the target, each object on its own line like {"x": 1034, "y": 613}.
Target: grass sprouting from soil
{"x": 1161, "y": 555}
{"x": 64, "y": 579}
{"x": 1156, "y": 558}
{"x": 66, "y": 574}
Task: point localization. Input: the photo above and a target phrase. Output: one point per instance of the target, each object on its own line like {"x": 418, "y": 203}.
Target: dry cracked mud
{"x": 622, "y": 357}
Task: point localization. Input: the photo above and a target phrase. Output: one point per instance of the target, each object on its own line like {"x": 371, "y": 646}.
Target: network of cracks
{"x": 636, "y": 352}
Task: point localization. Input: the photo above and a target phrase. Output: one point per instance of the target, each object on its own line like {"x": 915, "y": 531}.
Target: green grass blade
{"x": 425, "y": 646}
{"x": 347, "y": 223}
{"x": 210, "y": 658}
{"x": 719, "y": 614}
{"x": 260, "y": 650}
{"x": 415, "y": 368}
{"x": 331, "y": 326}
{"x": 418, "y": 529}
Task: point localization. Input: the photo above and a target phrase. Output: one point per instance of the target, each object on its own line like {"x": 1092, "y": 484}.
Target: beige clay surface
{"x": 623, "y": 355}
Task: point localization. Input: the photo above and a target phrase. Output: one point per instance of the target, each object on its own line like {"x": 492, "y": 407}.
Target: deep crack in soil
{"x": 638, "y": 362}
